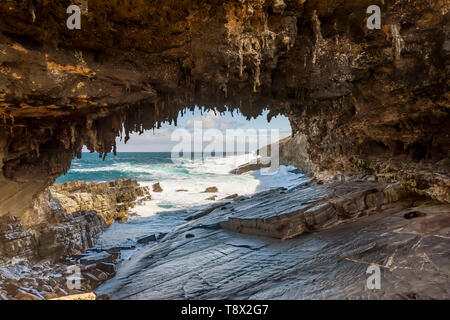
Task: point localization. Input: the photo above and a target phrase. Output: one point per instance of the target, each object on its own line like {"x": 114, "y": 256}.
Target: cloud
{"x": 209, "y": 120}
{"x": 160, "y": 140}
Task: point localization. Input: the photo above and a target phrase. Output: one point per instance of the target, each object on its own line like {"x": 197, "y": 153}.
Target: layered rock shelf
{"x": 371, "y": 101}
{"x": 110, "y": 200}
{"x": 66, "y": 220}
{"x": 240, "y": 249}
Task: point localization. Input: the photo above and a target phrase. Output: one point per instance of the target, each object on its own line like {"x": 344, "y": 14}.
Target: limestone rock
{"x": 251, "y": 166}
{"x": 157, "y": 187}
{"x": 354, "y": 94}
{"x": 202, "y": 259}
{"x": 278, "y": 6}
{"x": 67, "y": 219}
{"x": 231, "y": 196}
{"x": 110, "y": 200}
{"x": 211, "y": 190}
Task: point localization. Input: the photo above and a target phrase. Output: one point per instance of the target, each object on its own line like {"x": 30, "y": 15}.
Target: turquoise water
{"x": 192, "y": 176}
{"x": 169, "y": 208}
{"x": 133, "y": 165}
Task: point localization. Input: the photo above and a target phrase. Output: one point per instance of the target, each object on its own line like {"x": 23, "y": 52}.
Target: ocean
{"x": 168, "y": 209}
{"x": 193, "y": 176}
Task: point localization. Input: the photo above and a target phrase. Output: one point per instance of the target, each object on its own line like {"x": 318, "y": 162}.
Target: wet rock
{"x": 60, "y": 291}
{"x": 11, "y": 287}
{"x": 205, "y": 212}
{"x": 114, "y": 255}
{"x": 103, "y": 256}
{"x": 232, "y": 196}
{"x": 102, "y": 276}
{"x": 91, "y": 278}
{"x": 147, "y": 239}
{"x": 45, "y": 280}
{"x": 211, "y": 190}
{"x": 109, "y": 268}
{"x": 23, "y": 295}
{"x": 202, "y": 260}
{"x": 76, "y": 213}
{"x": 157, "y": 187}
{"x": 251, "y": 167}
{"x": 45, "y": 289}
{"x": 150, "y": 238}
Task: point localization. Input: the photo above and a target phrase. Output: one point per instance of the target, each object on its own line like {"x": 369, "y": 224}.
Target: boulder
{"x": 157, "y": 187}
{"x": 232, "y": 196}
{"x": 252, "y": 166}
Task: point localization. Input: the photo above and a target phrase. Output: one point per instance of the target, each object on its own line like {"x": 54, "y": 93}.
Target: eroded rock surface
{"x": 45, "y": 280}
{"x": 110, "y": 200}
{"x": 340, "y": 229}
{"x": 67, "y": 219}
{"x": 373, "y": 101}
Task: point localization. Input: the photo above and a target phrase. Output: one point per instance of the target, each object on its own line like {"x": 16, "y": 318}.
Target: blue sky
{"x": 161, "y": 140}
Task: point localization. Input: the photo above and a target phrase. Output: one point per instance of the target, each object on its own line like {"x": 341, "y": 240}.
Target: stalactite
{"x": 397, "y": 41}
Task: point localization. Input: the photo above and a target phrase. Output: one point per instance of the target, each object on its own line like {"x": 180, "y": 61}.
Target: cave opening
{"x": 365, "y": 110}
{"x": 190, "y": 161}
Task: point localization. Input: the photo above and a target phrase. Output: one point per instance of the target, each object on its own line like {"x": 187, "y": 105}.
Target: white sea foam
{"x": 213, "y": 172}
{"x": 191, "y": 175}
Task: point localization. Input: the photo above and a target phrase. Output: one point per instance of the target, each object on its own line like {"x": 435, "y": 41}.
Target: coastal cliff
{"x": 372, "y": 101}
{"x": 110, "y": 200}
{"x": 67, "y": 219}
{"x": 313, "y": 241}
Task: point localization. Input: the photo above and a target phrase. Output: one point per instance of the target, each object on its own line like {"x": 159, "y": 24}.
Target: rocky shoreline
{"x": 37, "y": 253}
{"x": 376, "y": 102}
{"x": 314, "y": 241}
{"x": 314, "y": 210}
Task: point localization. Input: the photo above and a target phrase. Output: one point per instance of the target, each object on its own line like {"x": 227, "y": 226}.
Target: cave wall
{"x": 374, "y": 101}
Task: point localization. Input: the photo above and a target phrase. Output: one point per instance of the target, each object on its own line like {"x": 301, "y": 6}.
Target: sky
{"x": 214, "y": 127}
